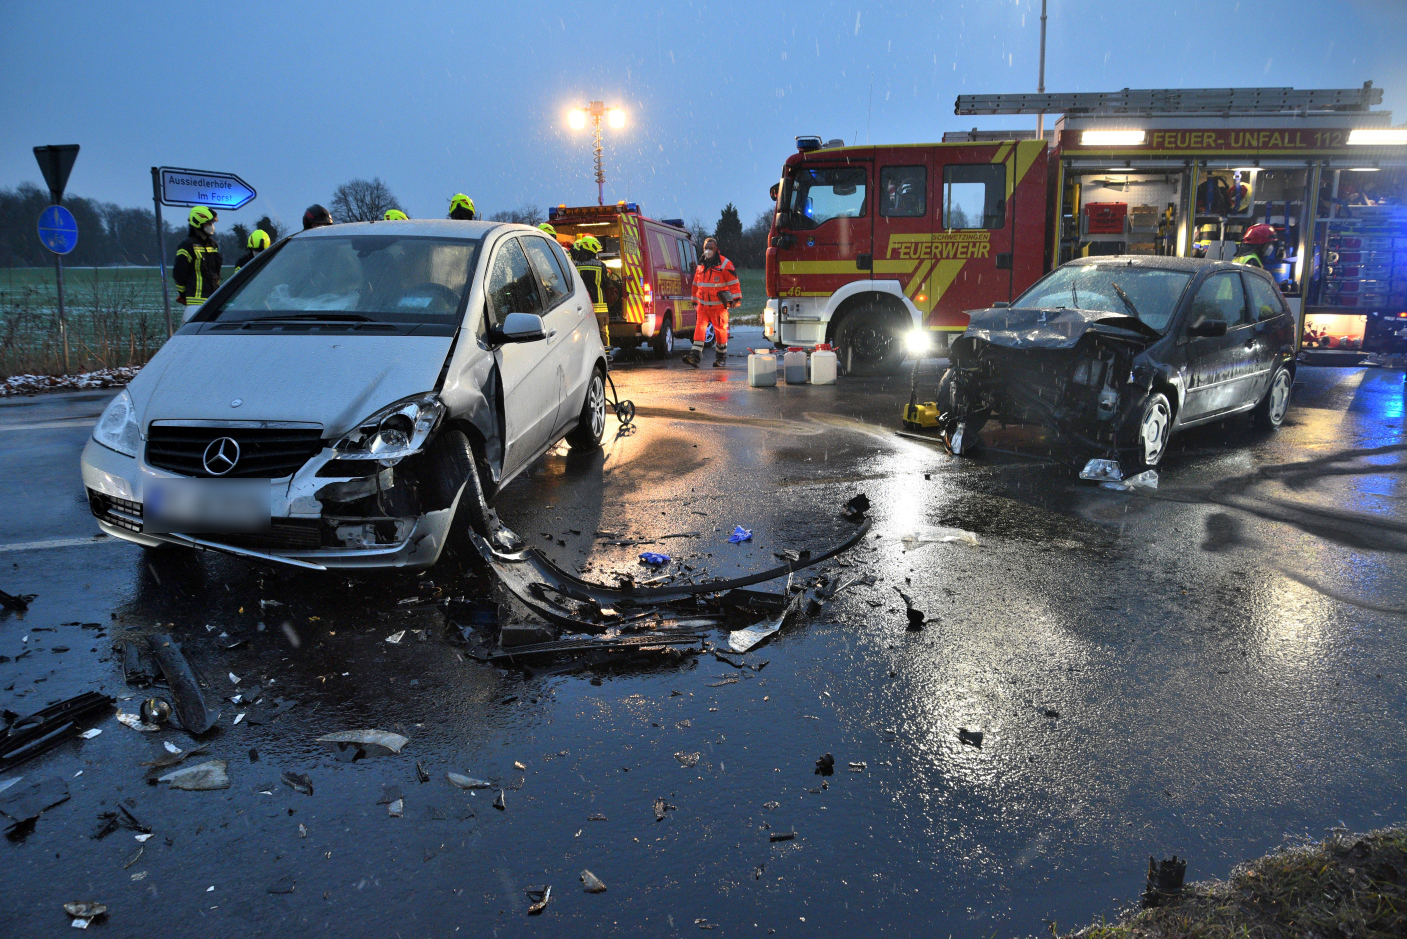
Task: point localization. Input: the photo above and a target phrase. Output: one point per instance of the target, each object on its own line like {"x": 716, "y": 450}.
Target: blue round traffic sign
{"x": 58, "y": 230}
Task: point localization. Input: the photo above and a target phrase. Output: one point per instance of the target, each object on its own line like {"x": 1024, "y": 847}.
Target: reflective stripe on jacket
{"x": 1249, "y": 259}
{"x": 709, "y": 281}
{"x": 593, "y": 274}
{"x": 197, "y": 269}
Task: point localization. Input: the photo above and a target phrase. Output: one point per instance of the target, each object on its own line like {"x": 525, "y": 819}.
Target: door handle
{"x": 552, "y": 334}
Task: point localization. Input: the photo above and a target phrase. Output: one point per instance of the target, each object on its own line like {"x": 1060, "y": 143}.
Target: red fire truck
{"x": 650, "y": 295}
{"x": 869, "y": 243}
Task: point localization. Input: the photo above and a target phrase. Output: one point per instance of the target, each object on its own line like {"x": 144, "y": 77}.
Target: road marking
{"x": 58, "y": 543}
{"x": 51, "y": 425}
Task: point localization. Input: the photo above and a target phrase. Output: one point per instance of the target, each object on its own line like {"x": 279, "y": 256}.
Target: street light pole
{"x": 595, "y": 111}
{"x": 596, "y": 145}
{"x": 1040, "y": 81}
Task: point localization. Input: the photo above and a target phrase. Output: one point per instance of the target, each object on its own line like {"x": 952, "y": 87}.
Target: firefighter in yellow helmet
{"x": 593, "y": 274}
{"x": 258, "y": 241}
{"x": 548, "y": 230}
{"x": 395, "y": 215}
{"x": 197, "y": 268}
{"x": 461, "y": 207}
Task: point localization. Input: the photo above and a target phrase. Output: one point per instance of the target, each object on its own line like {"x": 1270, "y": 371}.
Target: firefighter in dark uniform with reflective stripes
{"x": 593, "y": 274}
{"x": 197, "y": 268}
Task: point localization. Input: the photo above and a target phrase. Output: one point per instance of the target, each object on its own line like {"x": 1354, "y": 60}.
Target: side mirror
{"x": 1001, "y": 305}
{"x": 1203, "y": 328}
{"x": 519, "y": 327}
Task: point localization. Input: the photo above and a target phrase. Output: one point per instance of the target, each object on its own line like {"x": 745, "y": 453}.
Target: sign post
{"x": 57, "y": 229}
{"x": 172, "y": 185}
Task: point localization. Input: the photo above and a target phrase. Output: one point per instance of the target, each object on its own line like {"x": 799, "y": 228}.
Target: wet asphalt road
{"x": 1204, "y": 670}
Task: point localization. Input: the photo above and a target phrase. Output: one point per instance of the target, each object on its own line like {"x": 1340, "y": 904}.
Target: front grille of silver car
{"x": 122, "y": 513}
{"x": 264, "y": 452}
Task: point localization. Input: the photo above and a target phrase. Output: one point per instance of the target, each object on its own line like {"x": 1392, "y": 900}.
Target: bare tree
{"x": 362, "y": 200}
{"x": 529, "y": 213}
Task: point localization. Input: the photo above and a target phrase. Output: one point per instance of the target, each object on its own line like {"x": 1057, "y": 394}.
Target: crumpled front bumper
{"x": 114, "y": 482}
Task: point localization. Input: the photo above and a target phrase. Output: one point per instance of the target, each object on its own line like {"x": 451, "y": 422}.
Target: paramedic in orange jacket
{"x": 716, "y": 289}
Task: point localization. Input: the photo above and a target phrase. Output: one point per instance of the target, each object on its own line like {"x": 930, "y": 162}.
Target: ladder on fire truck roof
{"x": 1177, "y": 101}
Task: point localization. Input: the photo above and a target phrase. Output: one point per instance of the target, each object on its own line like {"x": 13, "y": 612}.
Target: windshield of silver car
{"x": 1148, "y": 293}
{"x": 374, "y": 278}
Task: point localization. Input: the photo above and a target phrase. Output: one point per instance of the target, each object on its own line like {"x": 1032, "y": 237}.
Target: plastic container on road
{"x": 823, "y": 365}
{"x": 762, "y": 369}
{"x": 794, "y": 365}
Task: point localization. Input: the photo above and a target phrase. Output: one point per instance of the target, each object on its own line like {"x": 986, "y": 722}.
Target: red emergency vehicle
{"x": 650, "y": 265}
{"x": 869, "y": 242}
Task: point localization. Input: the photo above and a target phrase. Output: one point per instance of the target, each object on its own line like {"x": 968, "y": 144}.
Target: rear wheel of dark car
{"x": 1148, "y": 439}
{"x": 664, "y": 339}
{"x": 451, "y": 459}
{"x": 868, "y": 343}
{"x": 1270, "y": 413}
{"x": 591, "y": 425}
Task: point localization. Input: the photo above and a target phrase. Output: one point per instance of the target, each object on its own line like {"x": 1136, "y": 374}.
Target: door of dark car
{"x": 1221, "y": 370}
{"x": 1274, "y": 327}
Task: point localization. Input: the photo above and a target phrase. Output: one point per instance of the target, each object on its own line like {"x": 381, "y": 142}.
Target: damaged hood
{"x": 1059, "y": 328}
{"x": 333, "y": 380}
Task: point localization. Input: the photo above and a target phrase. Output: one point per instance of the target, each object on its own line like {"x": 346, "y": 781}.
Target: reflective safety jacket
{"x": 593, "y": 274}
{"x": 1249, "y": 259}
{"x": 710, "y": 281}
{"x": 197, "y": 270}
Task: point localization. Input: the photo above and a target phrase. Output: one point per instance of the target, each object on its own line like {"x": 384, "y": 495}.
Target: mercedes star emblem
{"x": 221, "y": 456}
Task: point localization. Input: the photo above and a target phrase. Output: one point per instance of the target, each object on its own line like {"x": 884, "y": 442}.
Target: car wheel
{"x": 866, "y": 342}
{"x": 664, "y": 339}
{"x": 451, "y": 459}
{"x": 1270, "y": 413}
{"x": 591, "y": 426}
{"x": 1151, "y": 432}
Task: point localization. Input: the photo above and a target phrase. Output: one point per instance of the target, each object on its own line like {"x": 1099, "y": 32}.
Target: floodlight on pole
{"x": 577, "y": 119}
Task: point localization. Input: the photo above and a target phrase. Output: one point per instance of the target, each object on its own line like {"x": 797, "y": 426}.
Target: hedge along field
{"x": 115, "y": 318}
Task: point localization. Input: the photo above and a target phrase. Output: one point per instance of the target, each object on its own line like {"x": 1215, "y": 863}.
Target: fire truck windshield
{"x": 819, "y": 194}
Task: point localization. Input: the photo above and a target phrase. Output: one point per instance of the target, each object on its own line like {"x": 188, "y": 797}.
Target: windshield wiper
{"x": 1074, "y": 295}
{"x": 1125, "y": 297}
{"x": 347, "y": 317}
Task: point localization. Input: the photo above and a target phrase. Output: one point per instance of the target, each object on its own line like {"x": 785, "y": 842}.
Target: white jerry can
{"x": 762, "y": 369}
{"x": 794, "y": 366}
{"x": 823, "y": 365}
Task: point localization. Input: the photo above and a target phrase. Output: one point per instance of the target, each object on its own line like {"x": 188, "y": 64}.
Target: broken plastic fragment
{"x": 155, "y": 711}
{"x": 499, "y": 802}
{"x": 781, "y": 836}
{"x": 1148, "y": 479}
{"x": 688, "y": 759}
{"x": 739, "y": 534}
{"x": 396, "y": 637}
{"x": 384, "y": 739}
{"x": 825, "y": 765}
{"x": 1102, "y": 470}
{"x": 661, "y": 807}
{"x": 970, "y": 737}
{"x": 84, "y": 912}
{"x": 203, "y": 776}
{"x": 856, "y": 508}
{"x": 136, "y": 723}
{"x": 591, "y": 883}
{"x": 468, "y": 782}
{"x": 920, "y": 537}
{"x": 396, "y": 809}
{"x": 91, "y": 733}
{"x": 299, "y": 782}
{"x": 539, "y": 896}
{"x": 653, "y": 559}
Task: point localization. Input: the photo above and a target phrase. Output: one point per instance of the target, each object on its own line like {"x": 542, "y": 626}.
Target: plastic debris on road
{"x": 84, "y": 912}
{"x": 203, "y": 776}
{"x": 740, "y": 534}
{"x": 918, "y": 538}
{"x": 396, "y": 809}
{"x": 539, "y": 896}
{"x": 136, "y": 723}
{"x": 468, "y": 782}
{"x": 916, "y": 616}
{"x": 499, "y": 802}
{"x": 1102, "y": 471}
{"x": 653, "y": 559}
{"x": 856, "y": 508}
{"x": 689, "y": 760}
{"x": 368, "y": 742}
{"x": 972, "y": 738}
{"x": 661, "y": 806}
{"x": 591, "y": 883}
{"x": 825, "y": 765}
{"x": 1148, "y": 479}
{"x": 299, "y": 782}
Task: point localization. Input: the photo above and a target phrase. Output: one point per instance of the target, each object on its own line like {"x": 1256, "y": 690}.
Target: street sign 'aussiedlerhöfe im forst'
{"x": 197, "y": 187}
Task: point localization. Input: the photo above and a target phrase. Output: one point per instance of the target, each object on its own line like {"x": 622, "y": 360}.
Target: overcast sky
{"x": 438, "y": 97}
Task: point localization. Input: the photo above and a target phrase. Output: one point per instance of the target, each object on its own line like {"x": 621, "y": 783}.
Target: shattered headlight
{"x": 394, "y": 432}
{"x": 117, "y": 429}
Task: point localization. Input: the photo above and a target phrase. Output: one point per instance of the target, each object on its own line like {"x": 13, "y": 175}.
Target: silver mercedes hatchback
{"x": 354, "y": 397}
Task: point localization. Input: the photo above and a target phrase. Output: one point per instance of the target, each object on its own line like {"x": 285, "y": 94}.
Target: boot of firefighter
{"x": 720, "y": 357}
{"x": 692, "y": 357}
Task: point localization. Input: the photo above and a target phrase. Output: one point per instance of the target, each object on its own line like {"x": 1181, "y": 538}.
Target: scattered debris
{"x": 27, "y": 737}
{"x": 771, "y": 806}
{"x": 91, "y": 733}
{"x": 499, "y": 802}
{"x": 744, "y": 639}
{"x": 1102, "y": 470}
{"x": 591, "y": 883}
{"x": 136, "y": 723}
{"x": 598, "y": 817}
{"x": 859, "y": 767}
{"x": 396, "y": 809}
{"x": 138, "y": 669}
{"x": 284, "y": 884}
{"x": 689, "y": 760}
{"x": 421, "y": 773}
{"x": 16, "y": 603}
{"x": 654, "y": 559}
{"x": 916, "y": 616}
{"x": 917, "y": 538}
{"x": 389, "y": 794}
{"x": 155, "y": 711}
{"x": 1164, "y": 881}
{"x": 190, "y": 708}
{"x": 781, "y": 836}
{"x": 23, "y": 805}
{"x": 396, "y": 637}
{"x": 519, "y": 766}
{"x": 972, "y": 738}
{"x": 539, "y": 896}
{"x": 365, "y": 742}
{"x": 661, "y": 807}
{"x": 84, "y": 912}
{"x": 468, "y": 782}
{"x": 203, "y": 776}
{"x": 739, "y": 535}
{"x": 856, "y": 508}
{"x": 299, "y": 782}
{"x": 825, "y": 765}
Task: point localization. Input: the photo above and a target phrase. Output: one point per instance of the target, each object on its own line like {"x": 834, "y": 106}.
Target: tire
{"x": 664, "y": 339}
{"x": 1148, "y": 438}
{"x": 451, "y": 458}
{"x": 1270, "y": 413}
{"x": 591, "y": 424}
{"x": 867, "y": 343}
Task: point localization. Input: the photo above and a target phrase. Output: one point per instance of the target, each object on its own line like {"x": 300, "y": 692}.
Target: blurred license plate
{"x": 209, "y": 506}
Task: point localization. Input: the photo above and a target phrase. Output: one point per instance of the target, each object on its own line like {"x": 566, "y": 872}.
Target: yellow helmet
{"x": 549, "y": 229}
{"x": 258, "y": 240}
{"x": 200, "y": 215}
{"x": 461, "y": 202}
{"x": 587, "y": 243}
{"x": 395, "y": 215}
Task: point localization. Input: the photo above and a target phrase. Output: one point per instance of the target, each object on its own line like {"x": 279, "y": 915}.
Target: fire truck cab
{"x": 650, "y": 263}
{"x": 870, "y": 243}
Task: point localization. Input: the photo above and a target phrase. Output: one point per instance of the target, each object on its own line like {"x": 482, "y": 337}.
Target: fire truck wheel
{"x": 664, "y": 339}
{"x": 868, "y": 343}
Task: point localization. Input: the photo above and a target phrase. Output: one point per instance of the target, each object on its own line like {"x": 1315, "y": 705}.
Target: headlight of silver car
{"x": 117, "y": 429}
{"x": 394, "y": 432}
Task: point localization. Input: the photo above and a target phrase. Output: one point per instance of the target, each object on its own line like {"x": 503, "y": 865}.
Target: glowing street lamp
{"x": 577, "y": 119}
